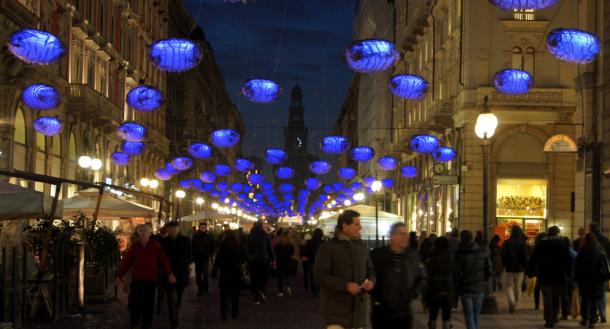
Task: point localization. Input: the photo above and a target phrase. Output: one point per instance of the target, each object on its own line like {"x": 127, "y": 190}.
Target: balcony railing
{"x": 92, "y": 103}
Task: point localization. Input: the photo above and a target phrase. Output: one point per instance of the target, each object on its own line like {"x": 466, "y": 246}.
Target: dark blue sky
{"x": 245, "y": 41}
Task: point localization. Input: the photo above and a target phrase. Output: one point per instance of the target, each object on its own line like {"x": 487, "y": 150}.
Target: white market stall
{"x": 367, "y": 220}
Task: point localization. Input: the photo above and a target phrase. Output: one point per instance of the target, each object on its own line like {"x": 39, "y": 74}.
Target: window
{"x": 524, "y": 15}
{"x": 40, "y": 142}
{"x": 19, "y": 136}
{"x": 517, "y": 60}
{"x": 529, "y": 60}
{"x": 91, "y": 73}
{"x": 56, "y": 146}
{"x": 72, "y": 148}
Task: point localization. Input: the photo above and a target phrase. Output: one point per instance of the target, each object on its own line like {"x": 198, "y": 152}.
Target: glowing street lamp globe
{"x": 487, "y": 122}
{"x": 199, "y": 201}
{"x": 96, "y": 164}
{"x": 376, "y": 186}
{"x": 144, "y": 182}
{"x": 84, "y": 161}
{"x": 153, "y": 183}
{"x": 180, "y": 194}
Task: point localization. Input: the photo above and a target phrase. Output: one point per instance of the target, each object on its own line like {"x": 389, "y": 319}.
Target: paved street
{"x": 297, "y": 312}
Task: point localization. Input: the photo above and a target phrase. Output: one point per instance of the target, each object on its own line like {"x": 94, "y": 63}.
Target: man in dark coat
{"x": 552, "y": 264}
{"x": 400, "y": 278}
{"x": 344, "y": 270}
{"x": 203, "y": 249}
{"x": 603, "y": 241}
{"x": 514, "y": 260}
{"x": 178, "y": 250}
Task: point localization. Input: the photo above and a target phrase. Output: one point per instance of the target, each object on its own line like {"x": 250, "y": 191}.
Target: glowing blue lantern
{"x": 347, "y": 173}
{"x": 276, "y": 156}
{"x": 444, "y": 154}
{"x": 185, "y": 183}
{"x": 41, "y": 97}
{"x": 368, "y": 181}
{"x": 222, "y": 170}
{"x": 120, "y": 158}
{"x": 256, "y": 179}
{"x": 362, "y": 153}
{"x": 171, "y": 169}
{"x": 236, "y": 187}
{"x": 286, "y": 188}
{"x": 312, "y": 184}
{"x": 356, "y": 185}
{"x": 371, "y": 55}
{"x": 320, "y": 167}
{"x": 200, "y": 150}
{"x": 48, "y": 126}
{"x": 387, "y": 163}
{"x": 284, "y": 172}
{"x": 387, "y": 183}
{"x": 261, "y": 91}
{"x": 573, "y": 45}
{"x": 35, "y": 46}
{"x": 243, "y": 165}
{"x": 408, "y": 86}
{"x": 338, "y": 186}
{"x": 207, "y": 177}
{"x": 424, "y": 143}
{"x": 145, "y": 98}
{"x": 163, "y": 174}
{"x": 519, "y": 5}
{"x": 224, "y": 138}
{"x": 222, "y": 186}
{"x": 408, "y": 171}
{"x": 132, "y": 131}
{"x": 334, "y": 144}
{"x": 182, "y": 163}
{"x": 513, "y": 82}
{"x": 175, "y": 55}
{"x": 133, "y": 148}
{"x": 328, "y": 189}
{"x": 208, "y": 187}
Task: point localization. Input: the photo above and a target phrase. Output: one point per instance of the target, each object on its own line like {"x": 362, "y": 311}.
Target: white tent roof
{"x": 367, "y": 220}
{"x": 111, "y": 207}
{"x": 203, "y": 215}
{"x": 17, "y": 202}
{"x": 367, "y": 212}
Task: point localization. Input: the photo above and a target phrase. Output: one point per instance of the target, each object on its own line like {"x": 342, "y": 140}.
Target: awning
{"x": 17, "y": 202}
{"x": 203, "y": 215}
{"x": 111, "y": 207}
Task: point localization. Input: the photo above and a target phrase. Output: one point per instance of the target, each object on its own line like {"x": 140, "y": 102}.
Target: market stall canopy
{"x": 18, "y": 202}
{"x": 203, "y": 215}
{"x": 367, "y": 220}
{"x": 111, "y": 207}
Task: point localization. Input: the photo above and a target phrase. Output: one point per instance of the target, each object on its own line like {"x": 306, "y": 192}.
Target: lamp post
{"x": 484, "y": 129}
{"x": 376, "y": 187}
{"x": 180, "y": 194}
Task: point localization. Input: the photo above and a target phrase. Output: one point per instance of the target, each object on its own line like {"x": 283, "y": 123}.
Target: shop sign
{"x": 560, "y": 144}
{"x": 445, "y": 179}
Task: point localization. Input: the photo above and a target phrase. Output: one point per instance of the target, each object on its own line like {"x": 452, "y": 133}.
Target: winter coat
{"x": 587, "y": 272}
{"x": 338, "y": 262}
{"x": 228, "y": 261}
{"x": 283, "y": 258}
{"x": 496, "y": 259}
{"x": 473, "y": 268}
{"x": 441, "y": 269}
{"x": 203, "y": 246}
{"x": 425, "y": 249}
{"x": 259, "y": 247}
{"x": 178, "y": 251}
{"x": 551, "y": 261}
{"x": 311, "y": 248}
{"x": 399, "y": 280}
{"x": 514, "y": 255}
{"x": 603, "y": 241}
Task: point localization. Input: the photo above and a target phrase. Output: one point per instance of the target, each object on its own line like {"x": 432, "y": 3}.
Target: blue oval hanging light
{"x": 285, "y": 188}
{"x": 371, "y": 55}
{"x": 145, "y": 98}
{"x": 408, "y": 171}
{"x": 175, "y": 55}
{"x": 163, "y": 174}
{"x": 347, "y": 173}
{"x": 334, "y": 144}
{"x": 243, "y": 165}
{"x": 132, "y": 131}
{"x": 513, "y": 82}
{"x": 312, "y": 183}
{"x": 362, "y": 153}
{"x": 236, "y": 187}
{"x": 170, "y": 168}
{"x": 40, "y": 97}
{"x": 200, "y": 150}
{"x": 387, "y": 163}
{"x": 368, "y": 180}
{"x": 261, "y": 91}
{"x": 222, "y": 170}
{"x": 185, "y": 183}
{"x": 225, "y": 138}
{"x": 387, "y": 183}
{"x": 222, "y": 186}
{"x": 36, "y": 46}
{"x": 284, "y": 172}
{"x": 424, "y": 143}
{"x": 276, "y": 156}
{"x": 120, "y": 158}
{"x": 320, "y": 167}
{"x": 444, "y": 154}
{"x": 182, "y": 163}
{"x": 133, "y": 148}
{"x": 356, "y": 185}
{"x": 338, "y": 186}
{"x": 256, "y": 179}
{"x": 207, "y": 177}
{"x": 48, "y": 126}
{"x": 408, "y": 86}
{"x": 573, "y": 45}
{"x": 519, "y": 5}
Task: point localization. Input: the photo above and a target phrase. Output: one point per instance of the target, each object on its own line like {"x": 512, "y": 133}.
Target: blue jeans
{"x": 472, "y": 303}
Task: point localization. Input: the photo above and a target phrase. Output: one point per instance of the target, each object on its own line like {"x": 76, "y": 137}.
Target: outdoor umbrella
{"x": 17, "y": 202}
{"x": 111, "y": 207}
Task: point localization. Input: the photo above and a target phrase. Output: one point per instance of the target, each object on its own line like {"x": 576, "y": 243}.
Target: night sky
{"x": 245, "y": 41}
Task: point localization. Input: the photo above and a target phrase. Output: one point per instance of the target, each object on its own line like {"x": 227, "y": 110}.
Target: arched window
{"x": 517, "y": 60}
{"x": 40, "y": 142}
{"x": 72, "y": 148}
{"x": 19, "y": 136}
{"x": 529, "y": 60}
{"x": 91, "y": 73}
{"x": 56, "y": 146}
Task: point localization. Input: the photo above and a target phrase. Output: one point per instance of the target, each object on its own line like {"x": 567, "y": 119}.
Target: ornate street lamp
{"x": 484, "y": 129}
{"x": 180, "y": 194}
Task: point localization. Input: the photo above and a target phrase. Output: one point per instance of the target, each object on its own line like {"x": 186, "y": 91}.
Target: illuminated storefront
{"x": 521, "y": 202}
